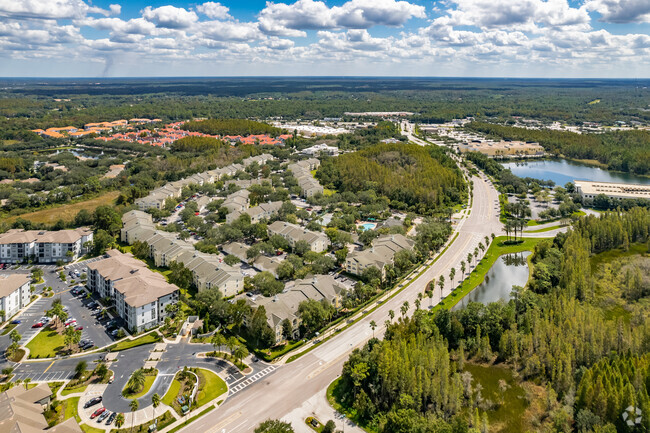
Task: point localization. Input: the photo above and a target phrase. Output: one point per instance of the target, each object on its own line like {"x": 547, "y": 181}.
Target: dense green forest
{"x": 627, "y": 151}
{"x": 409, "y": 175}
{"x": 231, "y": 127}
{"x": 577, "y": 339}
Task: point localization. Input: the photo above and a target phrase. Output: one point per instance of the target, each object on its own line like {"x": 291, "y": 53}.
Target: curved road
{"x": 291, "y": 385}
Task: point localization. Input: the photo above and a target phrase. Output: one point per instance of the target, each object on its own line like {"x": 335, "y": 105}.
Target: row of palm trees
{"x": 237, "y": 350}
{"x": 441, "y": 283}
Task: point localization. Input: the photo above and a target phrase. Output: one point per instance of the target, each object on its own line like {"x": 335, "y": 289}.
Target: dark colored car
{"x": 98, "y": 412}
{"x": 15, "y": 322}
{"x": 111, "y": 418}
{"x": 93, "y": 401}
{"x": 103, "y": 416}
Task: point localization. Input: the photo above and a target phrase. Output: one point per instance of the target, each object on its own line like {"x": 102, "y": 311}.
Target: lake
{"x": 563, "y": 171}
{"x": 509, "y": 270}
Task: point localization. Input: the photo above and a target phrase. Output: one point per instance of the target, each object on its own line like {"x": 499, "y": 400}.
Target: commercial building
{"x": 14, "y": 293}
{"x": 612, "y": 190}
{"x": 381, "y": 253}
{"x": 17, "y": 245}
{"x": 21, "y": 411}
{"x": 321, "y": 149}
{"x": 140, "y": 295}
{"x": 318, "y": 242}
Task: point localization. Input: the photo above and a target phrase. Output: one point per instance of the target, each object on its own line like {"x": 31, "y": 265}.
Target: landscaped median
{"x": 210, "y": 387}
{"x": 139, "y": 383}
{"x": 151, "y": 337}
{"x": 497, "y": 248}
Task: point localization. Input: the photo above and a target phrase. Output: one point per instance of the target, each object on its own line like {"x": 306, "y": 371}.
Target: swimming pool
{"x": 367, "y": 226}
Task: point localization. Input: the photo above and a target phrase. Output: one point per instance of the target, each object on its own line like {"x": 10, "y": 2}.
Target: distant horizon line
{"x": 404, "y": 77}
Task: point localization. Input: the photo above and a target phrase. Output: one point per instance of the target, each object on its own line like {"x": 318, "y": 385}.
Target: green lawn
{"x": 7, "y": 329}
{"x": 67, "y": 391}
{"x": 89, "y": 429}
{"x": 211, "y": 386}
{"x": 71, "y": 405}
{"x": 46, "y": 344}
{"x": 148, "y": 381}
{"x": 149, "y": 338}
{"x": 546, "y": 229}
{"x": 171, "y": 394}
{"x": 496, "y": 249}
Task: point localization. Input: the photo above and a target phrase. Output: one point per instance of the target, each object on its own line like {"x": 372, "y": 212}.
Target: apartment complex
{"x": 293, "y": 233}
{"x": 21, "y": 411}
{"x": 208, "y": 271}
{"x": 140, "y": 295}
{"x": 612, "y": 190}
{"x": 14, "y": 293}
{"x": 257, "y": 213}
{"x": 381, "y": 253}
{"x": 284, "y": 306}
{"x": 156, "y": 198}
{"x": 302, "y": 172}
{"x": 17, "y": 245}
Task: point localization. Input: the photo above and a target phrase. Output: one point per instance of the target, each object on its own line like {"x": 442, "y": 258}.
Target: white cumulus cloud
{"x": 213, "y": 10}
{"x": 621, "y": 11}
{"x": 170, "y": 17}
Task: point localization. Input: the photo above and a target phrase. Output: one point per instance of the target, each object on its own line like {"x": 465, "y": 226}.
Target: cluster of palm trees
{"x": 135, "y": 405}
{"x": 237, "y": 350}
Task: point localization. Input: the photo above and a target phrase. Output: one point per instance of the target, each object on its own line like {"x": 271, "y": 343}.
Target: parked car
{"x": 111, "y": 418}
{"x": 93, "y": 401}
{"x": 15, "y": 322}
{"x": 103, "y": 416}
{"x": 79, "y": 328}
{"x": 37, "y": 325}
{"x": 98, "y": 412}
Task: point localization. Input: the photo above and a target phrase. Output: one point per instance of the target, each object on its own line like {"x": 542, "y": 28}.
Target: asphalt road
{"x": 292, "y": 384}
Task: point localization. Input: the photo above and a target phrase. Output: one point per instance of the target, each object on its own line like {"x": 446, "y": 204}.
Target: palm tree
{"x": 119, "y": 420}
{"x": 481, "y": 246}
{"x": 475, "y": 253}
{"x": 441, "y": 284}
{"x": 452, "y": 274}
{"x": 492, "y": 235}
{"x": 373, "y": 325}
{"x": 134, "y": 406}
{"x": 463, "y": 267}
{"x": 217, "y": 341}
{"x": 2, "y": 315}
{"x": 487, "y": 241}
{"x": 136, "y": 381}
{"x": 469, "y": 259}
{"x": 430, "y": 295}
{"x": 404, "y": 308}
{"x": 391, "y": 314}
{"x": 417, "y": 304}
{"x": 240, "y": 353}
{"x": 155, "y": 401}
{"x": 387, "y": 323}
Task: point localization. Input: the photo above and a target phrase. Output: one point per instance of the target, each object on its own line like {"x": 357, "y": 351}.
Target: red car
{"x": 79, "y": 328}
{"x": 37, "y": 325}
{"x": 98, "y": 412}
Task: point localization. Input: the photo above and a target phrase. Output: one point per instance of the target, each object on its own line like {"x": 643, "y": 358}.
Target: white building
{"x": 14, "y": 293}
{"x": 140, "y": 295}
{"x": 17, "y": 245}
{"x": 612, "y": 190}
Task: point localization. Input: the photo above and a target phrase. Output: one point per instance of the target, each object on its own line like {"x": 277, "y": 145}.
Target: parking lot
{"x": 94, "y": 327}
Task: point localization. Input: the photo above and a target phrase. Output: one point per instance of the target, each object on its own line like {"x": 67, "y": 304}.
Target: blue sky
{"x": 488, "y": 38}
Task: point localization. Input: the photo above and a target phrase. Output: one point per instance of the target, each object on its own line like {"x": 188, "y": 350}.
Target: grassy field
{"x": 599, "y": 259}
{"x": 46, "y": 344}
{"x": 67, "y": 212}
{"x": 497, "y": 248}
{"x": 211, "y": 386}
{"x": 7, "y": 329}
{"x": 149, "y": 338}
{"x": 71, "y": 405}
{"x": 90, "y": 429}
